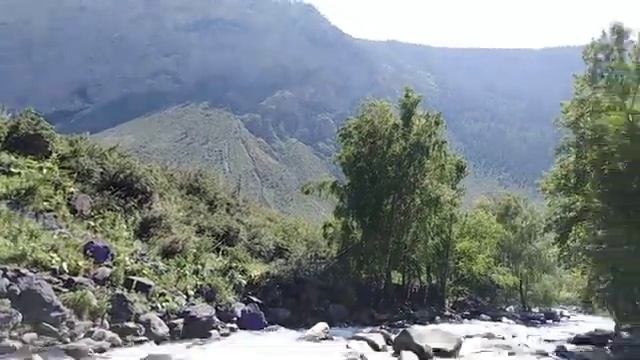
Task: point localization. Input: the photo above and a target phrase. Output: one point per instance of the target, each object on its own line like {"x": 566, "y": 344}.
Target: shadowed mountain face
{"x": 282, "y": 71}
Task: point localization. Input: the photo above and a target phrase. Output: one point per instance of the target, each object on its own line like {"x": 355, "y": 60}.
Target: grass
{"x": 181, "y": 229}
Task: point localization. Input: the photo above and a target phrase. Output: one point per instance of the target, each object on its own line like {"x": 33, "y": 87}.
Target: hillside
{"x": 196, "y": 136}
{"x": 282, "y": 68}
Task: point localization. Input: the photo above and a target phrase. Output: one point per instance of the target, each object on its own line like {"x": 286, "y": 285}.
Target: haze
{"x": 472, "y": 23}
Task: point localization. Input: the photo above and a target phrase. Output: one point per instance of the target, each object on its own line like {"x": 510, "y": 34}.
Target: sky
{"x": 480, "y": 23}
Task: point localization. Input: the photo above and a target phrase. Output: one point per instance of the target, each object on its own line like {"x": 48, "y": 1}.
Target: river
{"x": 520, "y": 343}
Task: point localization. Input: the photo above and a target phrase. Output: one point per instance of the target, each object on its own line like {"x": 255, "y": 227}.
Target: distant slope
{"x": 195, "y": 135}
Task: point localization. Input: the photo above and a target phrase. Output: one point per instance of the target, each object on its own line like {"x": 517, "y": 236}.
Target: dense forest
{"x": 285, "y": 73}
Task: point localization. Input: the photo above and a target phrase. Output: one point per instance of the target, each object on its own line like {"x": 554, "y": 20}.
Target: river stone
{"x": 9, "y": 347}
{"x": 175, "y": 328}
{"x": 101, "y": 275}
{"x": 155, "y": 328}
{"x": 128, "y": 329}
{"x": 252, "y": 318}
{"x": 123, "y": 308}
{"x": 9, "y": 319}
{"x": 37, "y": 302}
{"x": 198, "y": 321}
{"x": 317, "y": 332}
{"x": 139, "y": 284}
{"x": 375, "y": 341}
{"x": 158, "y": 357}
{"x": 597, "y": 337}
{"x": 425, "y": 341}
{"x": 108, "y": 336}
{"x": 29, "y": 338}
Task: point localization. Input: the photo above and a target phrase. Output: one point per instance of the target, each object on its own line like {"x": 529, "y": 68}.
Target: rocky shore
{"x": 34, "y": 320}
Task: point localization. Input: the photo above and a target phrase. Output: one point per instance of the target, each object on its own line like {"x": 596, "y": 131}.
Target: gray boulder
{"x": 37, "y": 302}
{"x": 8, "y": 347}
{"x": 199, "y": 320}
{"x": 29, "y": 338}
{"x": 49, "y": 330}
{"x": 128, "y": 329}
{"x": 101, "y": 275}
{"x": 103, "y": 335}
{"x": 375, "y": 341}
{"x": 318, "y": 332}
{"x": 123, "y": 308}
{"x": 139, "y": 284}
{"x": 597, "y": 337}
{"x": 155, "y": 328}
{"x": 158, "y": 357}
{"x": 427, "y": 341}
{"x": 9, "y": 319}
{"x": 81, "y": 204}
{"x": 175, "y": 328}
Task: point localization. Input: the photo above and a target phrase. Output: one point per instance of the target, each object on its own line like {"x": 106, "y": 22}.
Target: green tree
{"x": 593, "y": 190}
{"x": 400, "y": 193}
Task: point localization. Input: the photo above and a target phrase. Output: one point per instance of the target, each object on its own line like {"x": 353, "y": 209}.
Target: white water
{"x": 282, "y": 344}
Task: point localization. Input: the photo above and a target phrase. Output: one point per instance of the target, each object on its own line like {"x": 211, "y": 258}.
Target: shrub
{"x": 30, "y": 135}
{"x": 84, "y": 304}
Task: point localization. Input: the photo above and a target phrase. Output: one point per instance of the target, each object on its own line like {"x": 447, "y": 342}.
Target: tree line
{"x": 400, "y": 227}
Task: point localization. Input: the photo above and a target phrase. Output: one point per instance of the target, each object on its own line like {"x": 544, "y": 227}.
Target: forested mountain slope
{"x": 281, "y": 67}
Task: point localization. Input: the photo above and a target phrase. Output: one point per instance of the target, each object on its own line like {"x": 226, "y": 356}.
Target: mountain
{"x": 281, "y": 68}
{"x": 197, "y": 136}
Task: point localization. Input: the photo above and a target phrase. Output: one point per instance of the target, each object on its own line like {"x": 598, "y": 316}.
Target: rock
{"x": 408, "y": 355}
{"x": 139, "y": 284}
{"x": 155, "y": 328}
{"x": 101, "y": 275}
{"x": 175, "y": 328}
{"x": 354, "y": 355}
{"x": 359, "y": 347}
{"x": 100, "y": 252}
{"x": 532, "y": 317}
{"x": 137, "y": 340}
{"x": 250, "y": 299}
{"x": 337, "y": 313}
{"x": 252, "y": 318}
{"x": 77, "y": 329}
{"x": 78, "y": 350}
{"x": 278, "y": 316}
{"x": 81, "y": 204}
{"x": 123, "y": 308}
{"x": 78, "y": 282}
{"x": 108, "y": 336}
{"x": 198, "y": 321}
{"x": 29, "y": 338}
{"x": 49, "y": 330}
{"x": 37, "y": 302}
{"x": 9, "y": 319}
{"x": 45, "y": 341}
{"x": 484, "y": 317}
{"x": 157, "y": 357}
{"x": 597, "y": 337}
{"x": 583, "y": 353}
{"x": 552, "y": 315}
{"x": 318, "y": 332}
{"x": 8, "y": 347}
{"x": 128, "y": 329}
{"x": 232, "y": 327}
{"x": 273, "y": 328}
{"x": 427, "y": 341}
{"x": 375, "y": 341}
{"x": 388, "y": 337}
{"x": 224, "y": 331}
{"x": 507, "y": 321}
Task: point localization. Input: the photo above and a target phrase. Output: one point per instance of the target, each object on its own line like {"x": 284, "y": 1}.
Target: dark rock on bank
{"x": 199, "y": 320}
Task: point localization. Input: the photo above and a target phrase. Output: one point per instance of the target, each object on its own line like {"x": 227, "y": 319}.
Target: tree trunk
{"x": 523, "y": 296}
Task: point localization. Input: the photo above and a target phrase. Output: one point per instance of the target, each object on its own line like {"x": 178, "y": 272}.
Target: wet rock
{"x": 101, "y": 275}
{"x": 317, "y": 332}
{"x": 232, "y": 327}
{"x": 581, "y": 353}
{"x": 484, "y": 317}
{"x": 252, "y": 318}
{"x": 552, "y": 315}
{"x": 9, "y": 347}
{"x": 9, "y": 319}
{"x": 155, "y": 328}
{"x": 359, "y": 347}
{"x": 139, "y": 284}
{"x": 175, "y": 328}
{"x": 597, "y": 337}
{"x": 427, "y": 341}
{"x": 110, "y": 337}
{"x": 128, "y": 329}
{"x": 375, "y": 341}
{"x": 29, "y": 338}
{"x": 123, "y": 308}
{"x": 224, "y": 331}
{"x": 157, "y": 357}
{"x": 85, "y": 348}
{"x": 198, "y": 321}
{"x": 338, "y": 313}
{"x": 278, "y": 316}
{"x": 37, "y": 302}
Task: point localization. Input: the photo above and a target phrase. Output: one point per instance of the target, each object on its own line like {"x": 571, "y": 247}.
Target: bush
{"x": 30, "y": 135}
{"x": 84, "y": 304}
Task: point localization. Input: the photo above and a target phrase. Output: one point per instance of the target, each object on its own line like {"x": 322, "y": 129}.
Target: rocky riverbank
{"x": 34, "y": 320}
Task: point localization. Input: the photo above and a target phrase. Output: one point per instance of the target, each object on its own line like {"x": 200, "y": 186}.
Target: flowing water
{"x": 520, "y": 343}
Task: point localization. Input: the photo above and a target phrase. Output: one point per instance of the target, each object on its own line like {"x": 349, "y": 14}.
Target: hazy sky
{"x": 480, "y": 23}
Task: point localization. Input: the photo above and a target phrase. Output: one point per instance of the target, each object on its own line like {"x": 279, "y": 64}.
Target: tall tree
{"x": 594, "y": 187}
{"x": 401, "y": 178}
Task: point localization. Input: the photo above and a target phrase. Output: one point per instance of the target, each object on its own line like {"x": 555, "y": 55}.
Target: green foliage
{"x": 592, "y": 190}
{"x": 86, "y": 304}
{"x": 180, "y": 229}
{"x": 29, "y": 134}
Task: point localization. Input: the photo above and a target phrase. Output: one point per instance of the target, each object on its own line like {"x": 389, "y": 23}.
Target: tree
{"x": 400, "y": 192}
{"x": 593, "y": 190}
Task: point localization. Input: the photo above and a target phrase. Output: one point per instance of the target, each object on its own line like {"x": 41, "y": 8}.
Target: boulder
{"x": 128, "y": 329}
{"x": 597, "y": 337}
{"x": 338, "y": 313}
{"x": 157, "y": 357}
{"x": 100, "y": 252}
{"x": 552, "y": 315}
{"x": 8, "y": 347}
{"x": 108, "y": 336}
{"x": 9, "y": 319}
{"x": 155, "y": 328}
{"x": 318, "y": 332}
{"x": 427, "y": 341}
{"x": 137, "y": 340}
{"x": 77, "y": 283}
{"x": 484, "y": 317}
{"x": 139, "y": 284}
{"x": 85, "y": 348}
{"x": 252, "y": 318}
{"x": 175, "y": 328}
{"x": 198, "y": 321}
{"x": 29, "y": 338}
{"x": 583, "y": 353}
{"x": 388, "y": 337}
{"x": 37, "y": 302}
{"x": 77, "y": 328}
{"x": 375, "y": 341}
{"x": 49, "y": 330}
{"x": 81, "y": 204}
{"x": 123, "y": 308}
{"x": 278, "y": 316}
{"x": 101, "y": 275}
